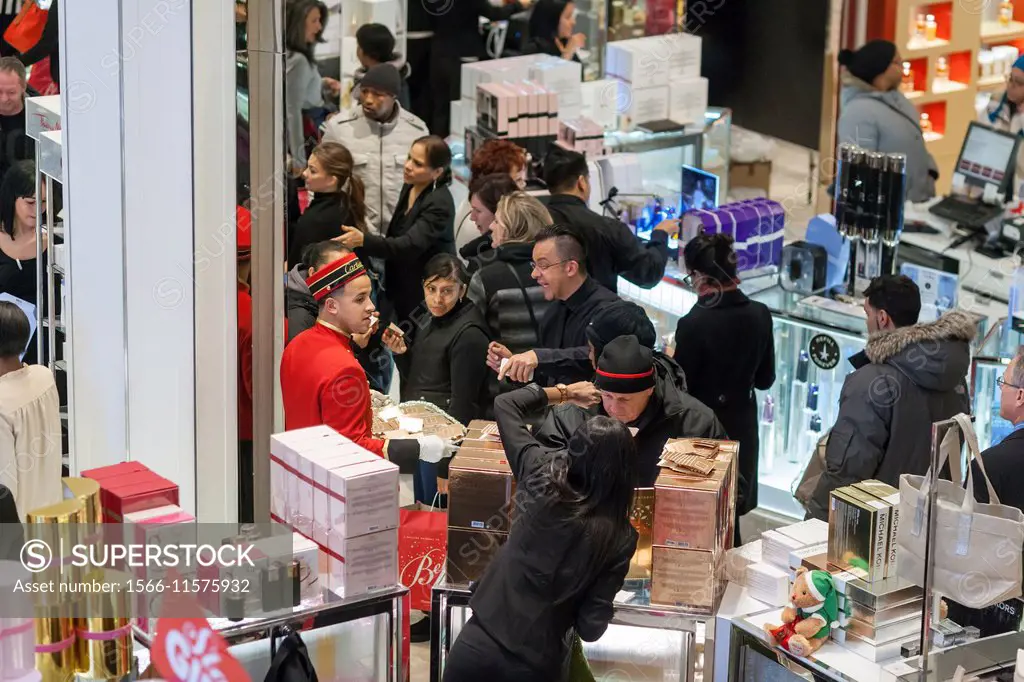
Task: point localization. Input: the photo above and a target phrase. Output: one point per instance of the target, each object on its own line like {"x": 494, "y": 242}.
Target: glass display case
{"x": 989, "y": 362}
{"x": 813, "y": 341}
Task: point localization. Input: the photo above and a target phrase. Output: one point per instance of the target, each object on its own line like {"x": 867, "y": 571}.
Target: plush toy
{"x": 812, "y": 613}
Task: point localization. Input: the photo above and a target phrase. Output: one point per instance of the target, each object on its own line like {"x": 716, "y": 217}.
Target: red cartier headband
{"x": 334, "y": 276}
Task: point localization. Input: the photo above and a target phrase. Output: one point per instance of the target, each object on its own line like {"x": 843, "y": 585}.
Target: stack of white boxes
{"x": 769, "y": 580}
{"x": 344, "y": 499}
{"x": 658, "y": 79}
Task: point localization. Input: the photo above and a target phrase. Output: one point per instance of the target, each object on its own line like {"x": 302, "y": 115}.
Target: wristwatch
{"x": 563, "y": 393}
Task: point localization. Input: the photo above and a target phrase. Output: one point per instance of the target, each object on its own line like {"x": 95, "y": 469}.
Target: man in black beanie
{"x": 638, "y": 395}
{"x": 624, "y": 318}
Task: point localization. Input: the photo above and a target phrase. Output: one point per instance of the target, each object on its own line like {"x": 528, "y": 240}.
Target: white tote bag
{"x": 977, "y": 547}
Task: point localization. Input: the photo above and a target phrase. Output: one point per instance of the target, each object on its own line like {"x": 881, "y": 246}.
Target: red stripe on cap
{"x": 334, "y": 276}
{"x": 612, "y": 375}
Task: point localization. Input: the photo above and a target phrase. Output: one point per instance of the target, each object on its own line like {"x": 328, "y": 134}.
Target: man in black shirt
{"x": 1003, "y": 460}
{"x": 612, "y": 249}
{"x": 15, "y": 145}
{"x": 563, "y": 356}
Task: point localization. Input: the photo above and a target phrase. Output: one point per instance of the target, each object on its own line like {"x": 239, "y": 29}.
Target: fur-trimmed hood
{"x": 934, "y": 355}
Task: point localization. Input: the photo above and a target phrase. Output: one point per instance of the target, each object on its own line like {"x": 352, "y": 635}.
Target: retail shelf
{"x": 57, "y": 269}
{"x": 914, "y": 94}
{"x": 947, "y": 86}
{"x": 993, "y": 31}
{"x": 990, "y": 83}
{"x": 915, "y": 46}
{"x": 932, "y": 137}
{"x": 59, "y": 325}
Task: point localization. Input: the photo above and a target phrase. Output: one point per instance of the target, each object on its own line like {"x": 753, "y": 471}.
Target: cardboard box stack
{"x": 481, "y": 490}
{"x": 768, "y": 576}
{"x": 658, "y": 78}
{"x": 693, "y": 526}
{"x": 342, "y": 498}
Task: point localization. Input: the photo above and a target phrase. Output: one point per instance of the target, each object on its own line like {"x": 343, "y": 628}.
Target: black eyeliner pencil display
{"x": 896, "y": 177}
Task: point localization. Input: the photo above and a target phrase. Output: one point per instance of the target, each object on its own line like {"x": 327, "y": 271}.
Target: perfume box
{"x": 890, "y": 496}
{"x": 885, "y": 633}
{"x": 877, "y": 596}
{"x": 894, "y": 614}
{"x": 357, "y": 565}
{"x": 688, "y": 100}
{"x": 364, "y": 500}
{"x": 642, "y": 104}
{"x": 326, "y": 500}
{"x": 470, "y": 551}
{"x": 768, "y": 583}
{"x": 307, "y": 554}
{"x": 600, "y": 102}
{"x": 687, "y": 578}
{"x": 858, "y": 533}
{"x": 474, "y": 444}
{"x": 689, "y": 512}
{"x": 562, "y": 76}
{"x": 135, "y": 492}
{"x": 738, "y": 559}
{"x": 479, "y": 494}
{"x": 642, "y": 518}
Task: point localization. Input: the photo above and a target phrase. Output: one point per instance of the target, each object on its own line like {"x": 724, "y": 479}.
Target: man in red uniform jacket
{"x": 321, "y": 380}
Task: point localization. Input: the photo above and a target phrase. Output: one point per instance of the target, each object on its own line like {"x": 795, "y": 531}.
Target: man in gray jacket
{"x": 907, "y": 377}
{"x": 379, "y": 134}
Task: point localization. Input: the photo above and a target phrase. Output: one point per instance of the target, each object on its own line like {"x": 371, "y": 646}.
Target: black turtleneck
{"x": 447, "y": 363}
{"x": 321, "y": 221}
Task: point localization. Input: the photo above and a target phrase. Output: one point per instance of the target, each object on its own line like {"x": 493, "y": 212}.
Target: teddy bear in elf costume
{"x": 811, "y": 615}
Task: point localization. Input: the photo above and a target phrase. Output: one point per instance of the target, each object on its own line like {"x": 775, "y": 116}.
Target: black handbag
{"x": 290, "y": 662}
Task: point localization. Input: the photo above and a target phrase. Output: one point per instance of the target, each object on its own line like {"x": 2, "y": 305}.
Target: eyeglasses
{"x": 1003, "y": 382}
{"x": 544, "y": 268}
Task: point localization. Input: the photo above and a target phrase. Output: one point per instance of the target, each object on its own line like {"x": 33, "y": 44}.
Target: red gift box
{"x": 131, "y": 487}
{"x": 114, "y": 470}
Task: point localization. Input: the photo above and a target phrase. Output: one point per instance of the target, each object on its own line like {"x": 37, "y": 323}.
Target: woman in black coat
{"x": 551, "y": 30}
{"x": 725, "y": 346}
{"x": 420, "y": 229}
{"x": 567, "y": 554}
{"x": 339, "y": 199}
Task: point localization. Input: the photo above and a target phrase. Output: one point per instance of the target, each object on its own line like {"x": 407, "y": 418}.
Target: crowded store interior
{"x": 553, "y": 340}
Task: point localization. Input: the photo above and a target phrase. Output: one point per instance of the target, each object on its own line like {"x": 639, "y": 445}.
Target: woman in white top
{"x": 30, "y": 435}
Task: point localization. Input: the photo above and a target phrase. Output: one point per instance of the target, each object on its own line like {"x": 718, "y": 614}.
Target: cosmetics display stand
{"x": 643, "y": 641}
{"x": 323, "y": 628}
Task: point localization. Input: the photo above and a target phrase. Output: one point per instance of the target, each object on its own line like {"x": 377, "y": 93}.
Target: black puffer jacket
{"x": 497, "y": 293}
{"x": 915, "y": 376}
{"x": 671, "y": 413}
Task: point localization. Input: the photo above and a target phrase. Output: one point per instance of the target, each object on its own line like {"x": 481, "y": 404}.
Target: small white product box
{"x": 364, "y": 564}
{"x": 768, "y": 584}
{"x": 688, "y": 100}
{"x": 365, "y": 500}
{"x": 600, "y": 99}
{"x": 322, "y": 493}
{"x": 640, "y": 105}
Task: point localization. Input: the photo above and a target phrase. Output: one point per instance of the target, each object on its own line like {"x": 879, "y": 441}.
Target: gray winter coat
{"x": 914, "y": 377}
{"x": 303, "y": 90}
{"x": 379, "y": 151}
{"x": 887, "y": 122}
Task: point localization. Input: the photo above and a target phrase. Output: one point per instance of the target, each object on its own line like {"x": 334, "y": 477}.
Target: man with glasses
{"x": 1004, "y": 111}
{"x": 909, "y": 376}
{"x": 1004, "y": 459}
{"x": 563, "y": 357}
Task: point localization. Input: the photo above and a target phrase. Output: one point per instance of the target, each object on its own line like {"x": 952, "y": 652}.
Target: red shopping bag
{"x": 422, "y": 547}
{"x": 40, "y": 78}
{"x": 27, "y": 28}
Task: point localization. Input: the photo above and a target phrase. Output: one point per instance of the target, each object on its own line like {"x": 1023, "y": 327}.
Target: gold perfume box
{"x": 470, "y": 552}
{"x": 688, "y": 578}
{"x": 479, "y": 494}
{"x": 473, "y": 445}
{"x": 858, "y": 534}
{"x": 481, "y": 424}
{"x": 877, "y": 618}
{"x": 692, "y": 513}
{"x": 642, "y": 519}
{"x": 891, "y": 496}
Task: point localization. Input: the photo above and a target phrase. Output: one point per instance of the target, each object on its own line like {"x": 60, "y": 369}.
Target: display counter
{"x": 643, "y": 642}
{"x": 360, "y": 638}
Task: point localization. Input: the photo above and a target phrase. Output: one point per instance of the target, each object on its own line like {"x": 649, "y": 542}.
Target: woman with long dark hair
{"x": 339, "y": 198}
{"x": 568, "y": 551}
{"x": 18, "y": 206}
{"x": 304, "y": 86}
{"x": 726, "y": 348}
{"x": 551, "y": 30}
{"x": 420, "y": 228}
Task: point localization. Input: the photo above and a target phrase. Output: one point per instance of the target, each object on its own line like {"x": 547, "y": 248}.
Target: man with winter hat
{"x": 625, "y": 318}
{"x": 634, "y": 391}
{"x": 380, "y": 131}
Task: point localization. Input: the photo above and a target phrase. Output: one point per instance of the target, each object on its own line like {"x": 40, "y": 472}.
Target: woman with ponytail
{"x": 555, "y": 578}
{"x": 875, "y": 116}
{"x": 339, "y": 199}
{"x": 725, "y": 347}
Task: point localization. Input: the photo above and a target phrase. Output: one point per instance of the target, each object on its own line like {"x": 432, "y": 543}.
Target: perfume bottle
{"x": 809, "y": 415}
{"x": 907, "y": 84}
{"x": 931, "y": 27}
{"x": 797, "y": 397}
{"x": 941, "y": 71}
{"x": 1005, "y": 12}
{"x": 926, "y": 122}
{"x": 767, "y": 434}
{"x": 919, "y": 27}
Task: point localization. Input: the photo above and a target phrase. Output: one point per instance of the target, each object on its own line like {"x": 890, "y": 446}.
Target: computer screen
{"x": 699, "y": 190}
{"x": 987, "y": 156}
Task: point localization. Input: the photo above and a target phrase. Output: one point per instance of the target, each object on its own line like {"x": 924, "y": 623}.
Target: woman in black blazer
{"x": 421, "y": 228}
{"x": 726, "y": 347}
{"x": 339, "y": 198}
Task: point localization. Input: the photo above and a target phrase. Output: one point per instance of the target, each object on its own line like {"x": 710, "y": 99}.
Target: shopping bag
{"x": 977, "y": 546}
{"x": 422, "y": 547}
{"x": 579, "y": 668}
{"x": 40, "y": 78}
{"x": 27, "y": 28}
{"x": 804, "y": 492}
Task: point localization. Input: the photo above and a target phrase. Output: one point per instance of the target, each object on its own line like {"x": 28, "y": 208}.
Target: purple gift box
{"x": 756, "y": 225}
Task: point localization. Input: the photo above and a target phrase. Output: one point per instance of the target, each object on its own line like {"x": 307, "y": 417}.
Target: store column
{"x": 148, "y": 114}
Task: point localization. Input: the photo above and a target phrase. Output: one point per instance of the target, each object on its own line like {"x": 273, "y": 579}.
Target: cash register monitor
{"x": 987, "y": 160}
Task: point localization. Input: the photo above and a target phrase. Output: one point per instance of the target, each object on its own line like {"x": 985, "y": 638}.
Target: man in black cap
{"x": 635, "y": 392}
{"x": 380, "y": 131}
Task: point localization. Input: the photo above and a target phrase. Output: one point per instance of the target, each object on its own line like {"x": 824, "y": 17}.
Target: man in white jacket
{"x": 379, "y": 134}
{"x": 30, "y": 436}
